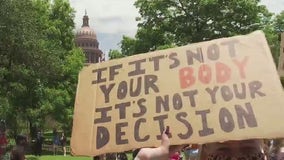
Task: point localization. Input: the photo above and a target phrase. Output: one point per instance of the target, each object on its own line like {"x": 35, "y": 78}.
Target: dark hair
{"x": 135, "y": 152}
{"x": 2, "y": 125}
{"x": 20, "y": 138}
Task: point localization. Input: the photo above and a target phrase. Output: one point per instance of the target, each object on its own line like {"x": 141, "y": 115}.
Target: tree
{"x": 272, "y": 31}
{"x": 279, "y": 27}
{"x": 115, "y": 54}
{"x": 39, "y": 62}
{"x": 18, "y": 46}
{"x": 279, "y": 22}
{"x": 129, "y": 46}
{"x": 71, "y": 60}
{"x": 180, "y": 22}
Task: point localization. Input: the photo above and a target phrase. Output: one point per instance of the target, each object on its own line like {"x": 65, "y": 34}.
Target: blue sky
{"x": 111, "y": 19}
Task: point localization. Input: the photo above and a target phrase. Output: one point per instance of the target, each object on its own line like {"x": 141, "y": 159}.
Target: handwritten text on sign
{"x": 204, "y": 92}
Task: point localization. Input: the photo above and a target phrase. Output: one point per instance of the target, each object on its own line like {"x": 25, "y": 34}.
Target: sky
{"x": 111, "y": 19}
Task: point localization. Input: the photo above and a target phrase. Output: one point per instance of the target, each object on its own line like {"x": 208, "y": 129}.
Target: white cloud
{"x": 107, "y": 16}
{"x": 275, "y": 6}
{"x": 111, "y": 19}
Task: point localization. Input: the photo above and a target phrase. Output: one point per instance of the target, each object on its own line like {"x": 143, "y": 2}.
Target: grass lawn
{"x": 61, "y": 157}
{"x": 68, "y": 157}
{"x": 64, "y": 158}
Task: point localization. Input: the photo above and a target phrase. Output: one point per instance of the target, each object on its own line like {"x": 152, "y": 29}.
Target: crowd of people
{"x": 59, "y": 141}
{"x": 18, "y": 150}
{"x": 253, "y": 149}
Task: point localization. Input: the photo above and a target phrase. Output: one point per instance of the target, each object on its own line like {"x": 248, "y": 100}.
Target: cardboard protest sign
{"x": 281, "y": 58}
{"x": 225, "y": 89}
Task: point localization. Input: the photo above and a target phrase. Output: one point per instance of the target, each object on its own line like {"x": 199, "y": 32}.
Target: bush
{"x": 31, "y": 157}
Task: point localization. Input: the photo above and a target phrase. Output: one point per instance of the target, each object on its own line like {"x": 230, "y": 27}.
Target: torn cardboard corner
{"x": 225, "y": 89}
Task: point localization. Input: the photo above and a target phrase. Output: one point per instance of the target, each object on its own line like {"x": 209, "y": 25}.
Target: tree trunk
{"x": 33, "y": 130}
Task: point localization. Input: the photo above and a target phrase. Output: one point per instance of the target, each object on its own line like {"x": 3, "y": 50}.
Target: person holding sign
{"x": 244, "y": 149}
{"x": 214, "y": 91}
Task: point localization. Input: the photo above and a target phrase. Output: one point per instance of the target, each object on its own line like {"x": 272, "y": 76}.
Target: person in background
{"x": 110, "y": 156}
{"x": 176, "y": 156}
{"x": 230, "y": 150}
{"x": 252, "y": 149}
{"x": 3, "y": 143}
{"x": 135, "y": 152}
{"x": 56, "y": 141}
{"x": 121, "y": 156}
{"x": 96, "y": 158}
{"x": 18, "y": 151}
{"x": 63, "y": 141}
{"x": 100, "y": 157}
{"x": 280, "y": 150}
{"x": 191, "y": 152}
{"x": 38, "y": 144}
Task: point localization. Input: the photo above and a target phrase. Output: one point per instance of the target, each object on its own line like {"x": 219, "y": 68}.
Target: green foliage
{"x": 115, "y": 54}
{"x": 180, "y": 22}
{"x": 32, "y": 157}
{"x": 278, "y": 27}
{"x": 165, "y": 46}
{"x": 128, "y": 45}
{"x": 272, "y": 30}
{"x": 39, "y": 63}
{"x": 61, "y": 157}
{"x": 272, "y": 39}
{"x": 279, "y": 22}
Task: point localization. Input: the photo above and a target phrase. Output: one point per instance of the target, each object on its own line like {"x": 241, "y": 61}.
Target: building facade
{"x": 86, "y": 39}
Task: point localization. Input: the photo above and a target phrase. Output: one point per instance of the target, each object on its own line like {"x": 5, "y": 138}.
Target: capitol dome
{"x": 86, "y": 39}
{"x": 86, "y": 32}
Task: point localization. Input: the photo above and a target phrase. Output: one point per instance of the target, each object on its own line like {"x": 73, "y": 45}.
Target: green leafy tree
{"x": 18, "y": 49}
{"x": 70, "y": 61}
{"x": 180, "y": 22}
{"x": 128, "y": 45}
{"x": 272, "y": 31}
{"x": 115, "y": 54}
{"x": 279, "y": 22}
{"x": 39, "y": 62}
{"x": 279, "y": 28}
